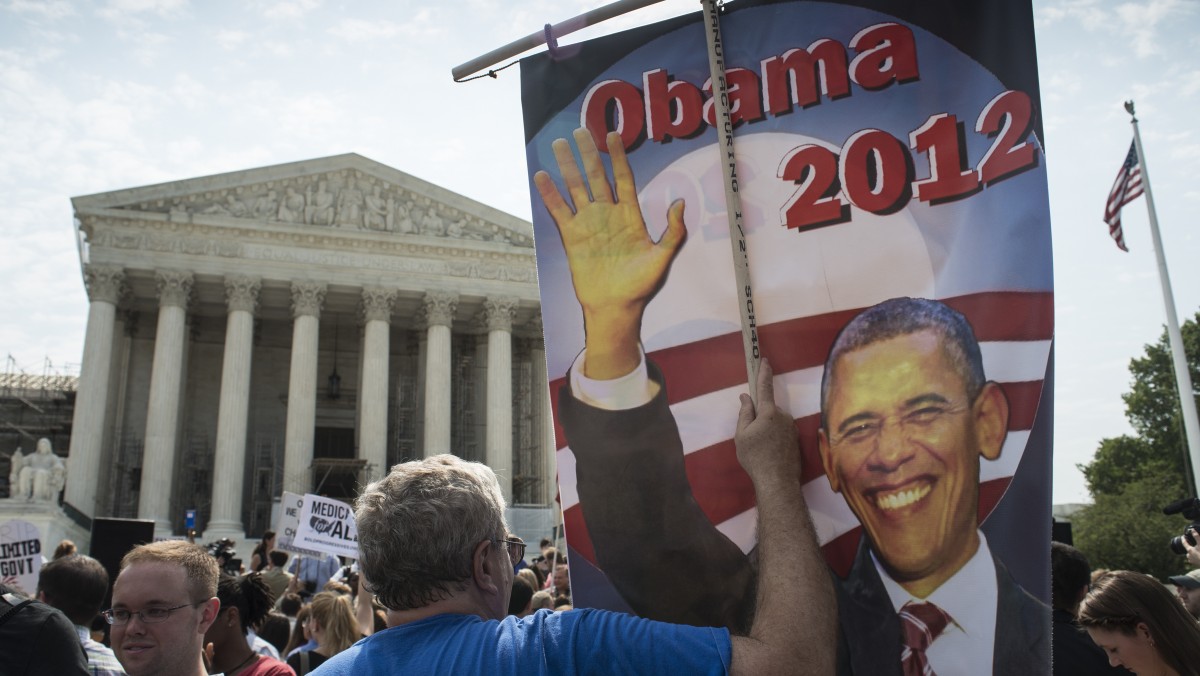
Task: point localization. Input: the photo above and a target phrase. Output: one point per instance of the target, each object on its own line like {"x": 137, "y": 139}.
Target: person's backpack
{"x": 38, "y": 640}
{"x": 16, "y": 605}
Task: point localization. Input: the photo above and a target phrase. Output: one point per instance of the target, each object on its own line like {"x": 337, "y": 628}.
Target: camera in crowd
{"x": 1190, "y": 509}
{"x": 223, "y": 551}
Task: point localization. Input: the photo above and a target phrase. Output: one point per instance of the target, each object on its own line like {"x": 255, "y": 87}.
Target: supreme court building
{"x": 301, "y": 327}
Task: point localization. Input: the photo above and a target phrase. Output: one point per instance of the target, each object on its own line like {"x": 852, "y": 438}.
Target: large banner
{"x": 891, "y": 173}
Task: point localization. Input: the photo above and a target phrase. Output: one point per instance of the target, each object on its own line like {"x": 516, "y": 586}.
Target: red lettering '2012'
{"x": 1009, "y": 118}
{"x": 949, "y": 178}
{"x": 815, "y": 202}
{"x": 875, "y": 171}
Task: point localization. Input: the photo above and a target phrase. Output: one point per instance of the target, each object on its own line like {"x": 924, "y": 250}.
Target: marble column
{"x": 497, "y": 315}
{"x": 545, "y": 413}
{"x": 105, "y": 287}
{"x": 307, "y": 299}
{"x": 373, "y": 387}
{"x": 438, "y": 316}
{"x": 166, "y": 383}
{"x": 229, "y": 467}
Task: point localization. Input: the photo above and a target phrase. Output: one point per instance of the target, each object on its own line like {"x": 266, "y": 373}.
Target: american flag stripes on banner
{"x": 1126, "y": 188}
{"x": 1014, "y": 330}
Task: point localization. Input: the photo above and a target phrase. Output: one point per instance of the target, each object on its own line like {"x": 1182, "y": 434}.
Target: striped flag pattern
{"x": 1126, "y": 188}
{"x": 1014, "y": 330}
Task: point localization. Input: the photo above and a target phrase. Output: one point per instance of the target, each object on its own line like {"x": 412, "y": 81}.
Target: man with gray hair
{"x": 435, "y": 550}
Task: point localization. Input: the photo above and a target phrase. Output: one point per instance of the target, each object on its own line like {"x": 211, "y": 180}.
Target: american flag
{"x": 1126, "y": 188}
{"x": 1014, "y": 330}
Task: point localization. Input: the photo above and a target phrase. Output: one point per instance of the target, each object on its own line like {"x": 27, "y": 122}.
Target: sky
{"x": 110, "y": 94}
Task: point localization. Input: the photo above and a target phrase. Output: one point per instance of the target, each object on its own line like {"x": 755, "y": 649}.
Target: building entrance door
{"x": 335, "y": 469}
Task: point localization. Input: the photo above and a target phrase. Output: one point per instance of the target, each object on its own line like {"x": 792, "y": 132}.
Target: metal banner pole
{"x": 733, "y": 201}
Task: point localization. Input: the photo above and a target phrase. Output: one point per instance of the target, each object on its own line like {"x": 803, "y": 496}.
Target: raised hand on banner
{"x": 616, "y": 268}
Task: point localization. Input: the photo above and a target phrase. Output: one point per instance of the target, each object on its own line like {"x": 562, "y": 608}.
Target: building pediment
{"x": 344, "y": 192}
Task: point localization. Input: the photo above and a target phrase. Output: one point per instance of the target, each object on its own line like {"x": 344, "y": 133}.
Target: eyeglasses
{"x": 153, "y": 615}
{"x": 516, "y": 547}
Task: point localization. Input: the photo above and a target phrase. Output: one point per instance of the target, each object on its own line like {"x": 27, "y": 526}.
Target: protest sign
{"x": 327, "y": 525}
{"x": 20, "y": 555}
{"x": 881, "y": 155}
{"x": 292, "y": 504}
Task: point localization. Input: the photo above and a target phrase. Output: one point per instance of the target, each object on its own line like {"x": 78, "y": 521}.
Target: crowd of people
{"x": 442, "y": 587}
{"x": 427, "y": 598}
{"x": 284, "y": 615}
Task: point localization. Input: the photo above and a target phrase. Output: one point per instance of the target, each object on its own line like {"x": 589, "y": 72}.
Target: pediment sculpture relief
{"x": 343, "y": 200}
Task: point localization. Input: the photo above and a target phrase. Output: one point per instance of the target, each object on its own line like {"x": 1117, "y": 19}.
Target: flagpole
{"x": 1183, "y": 378}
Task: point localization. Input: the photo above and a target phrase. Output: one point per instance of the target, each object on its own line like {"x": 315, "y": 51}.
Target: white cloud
{"x": 231, "y": 39}
{"x": 1087, "y": 13}
{"x": 120, "y": 9}
{"x": 1141, "y": 20}
{"x": 148, "y": 49}
{"x": 290, "y": 9}
{"x": 353, "y": 30}
{"x": 356, "y": 30}
{"x": 1189, "y": 84}
{"x": 189, "y": 92}
{"x": 49, "y": 9}
{"x": 278, "y": 48}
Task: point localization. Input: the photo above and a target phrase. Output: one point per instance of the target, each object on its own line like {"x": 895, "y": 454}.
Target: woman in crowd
{"x": 299, "y": 638}
{"x": 331, "y": 623}
{"x": 1141, "y": 626}
{"x": 245, "y": 601}
{"x": 258, "y": 559}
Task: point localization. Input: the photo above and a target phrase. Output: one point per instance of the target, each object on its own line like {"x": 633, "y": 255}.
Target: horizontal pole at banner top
{"x": 558, "y": 30}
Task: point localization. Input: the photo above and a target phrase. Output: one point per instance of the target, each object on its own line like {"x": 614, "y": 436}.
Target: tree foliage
{"x": 1128, "y": 531}
{"x": 1132, "y": 477}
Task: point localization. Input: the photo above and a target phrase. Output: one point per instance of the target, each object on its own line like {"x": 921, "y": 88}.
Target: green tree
{"x": 1132, "y": 477}
{"x": 1128, "y": 531}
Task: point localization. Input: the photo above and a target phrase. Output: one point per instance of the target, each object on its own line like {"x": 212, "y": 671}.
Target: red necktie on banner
{"x": 921, "y": 624}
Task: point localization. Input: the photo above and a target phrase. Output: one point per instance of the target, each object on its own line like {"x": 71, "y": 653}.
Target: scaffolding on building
{"x": 467, "y": 372}
{"x": 193, "y": 481}
{"x": 266, "y": 484}
{"x": 405, "y": 424}
{"x": 527, "y": 452}
{"x": 34, "y": 406}
{"x": 125, "y": 477}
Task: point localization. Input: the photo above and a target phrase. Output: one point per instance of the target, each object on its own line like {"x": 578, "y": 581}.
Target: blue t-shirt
{"x": 573, "y": 642}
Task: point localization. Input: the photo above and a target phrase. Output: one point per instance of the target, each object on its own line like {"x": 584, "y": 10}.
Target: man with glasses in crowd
{"x": 437, "y": 553}
{"x": 163, "y": 602}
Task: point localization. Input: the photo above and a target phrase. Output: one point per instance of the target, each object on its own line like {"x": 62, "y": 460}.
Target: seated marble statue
{"x": 39, "y": 476}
